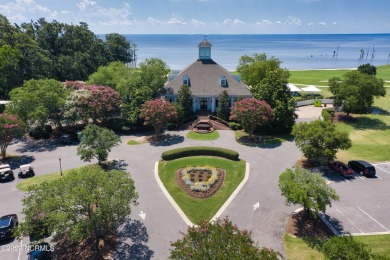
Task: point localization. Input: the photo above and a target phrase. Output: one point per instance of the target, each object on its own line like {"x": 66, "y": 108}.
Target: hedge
{"x": 198, "y": 151}
{"x": 328, "y": 114}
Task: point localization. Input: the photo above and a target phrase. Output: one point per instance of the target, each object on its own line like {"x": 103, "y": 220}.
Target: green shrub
{"x": 328, "y": 114}
{"x": 345, "y": 247}
{"x": 2, "y": 108}
{"x": 198, "y": 151}
{"x": 235, "y": 126}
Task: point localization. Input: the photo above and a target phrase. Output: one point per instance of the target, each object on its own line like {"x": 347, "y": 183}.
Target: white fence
{"x": 311, "y": 102}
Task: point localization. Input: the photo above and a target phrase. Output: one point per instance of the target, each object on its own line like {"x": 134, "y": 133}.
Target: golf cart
{"x": 26, "y": 171}
{"x": 6, "y": 173}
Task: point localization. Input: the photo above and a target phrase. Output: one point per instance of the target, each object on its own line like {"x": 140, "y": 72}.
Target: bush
{"x": 115, "y": 124}
{"x": 235, "y": 126}
{"x": 328, "y": 114}
{"x": 2, "y": 108}
{"x": 345, "y": 247}
{"x": 198, "y": 151}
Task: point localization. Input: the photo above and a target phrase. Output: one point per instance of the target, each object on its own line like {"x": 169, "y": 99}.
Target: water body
{"x": 296, "y": 51}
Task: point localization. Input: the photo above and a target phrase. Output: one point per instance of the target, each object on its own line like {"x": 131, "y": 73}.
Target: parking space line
{"x": 362, "y": 178}
{"x": 20, "y": 248}
{"x": 350, "y": 221}
{"x": 373, "y": 219}
{"x": 383, "y": 170}
{"x": 378, "y": 176}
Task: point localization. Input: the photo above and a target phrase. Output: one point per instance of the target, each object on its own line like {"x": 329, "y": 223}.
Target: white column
{"x": 213, "y": 104}
{"x": 194, "y": 104}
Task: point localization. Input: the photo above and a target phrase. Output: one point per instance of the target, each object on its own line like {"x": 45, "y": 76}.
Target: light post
{"x": 60, "y": 166}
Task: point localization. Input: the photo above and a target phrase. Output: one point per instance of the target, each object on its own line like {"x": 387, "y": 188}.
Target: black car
{"x": 362, "y": 167}
{"x": 7, "y": 225}
{"x": 6, "y": 174}
{"x": 41, "y": 251}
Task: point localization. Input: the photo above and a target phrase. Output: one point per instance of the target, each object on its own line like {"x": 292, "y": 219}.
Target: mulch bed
{"x": 343, "y": 117}
{"x": 201, "y": 194}
{"x": 304, "y": 225}
{"x": 66, "y": 249}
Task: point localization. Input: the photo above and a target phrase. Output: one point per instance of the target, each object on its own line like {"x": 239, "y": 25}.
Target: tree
{"x": 10, "y": 128}
{"x": 300, "y": 186}
{"x": 96, "y": 142}
{"x": 345, "y": 247}
{"x": 251, "y": 113}
{"x": 253, "y": 69}
{"x": 184, "y": 99}
{"x": 356, "y": 91}
{"x": 153, "y": 73}
{"x": 10, "y": 60}
{"x": 158, "y": 113}
{"x": 319, "y": 140}
{"x": 37, "y": 102}
{"x": 368, "y": 69}
{"x": 273, "y": 90}
{"x": 218, "y": 239}
{"x": 86, "y": 203}
{"x": 223, "y": 109}
{"x": 120, "y": 49}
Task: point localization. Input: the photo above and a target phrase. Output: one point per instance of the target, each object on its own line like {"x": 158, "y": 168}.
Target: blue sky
{"x": 209, "y": 16}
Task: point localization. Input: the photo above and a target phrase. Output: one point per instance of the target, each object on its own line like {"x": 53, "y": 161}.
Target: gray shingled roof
{"x": 204, "y": 78}
{"x": 205, "y": 43}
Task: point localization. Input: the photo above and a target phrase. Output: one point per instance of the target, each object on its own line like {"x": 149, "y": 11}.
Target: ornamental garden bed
{"x": 200, "y": 182}
{"x": 195, "y": 208}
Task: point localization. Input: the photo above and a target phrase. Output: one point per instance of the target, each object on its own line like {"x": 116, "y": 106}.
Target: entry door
{"x": 203, "y": 104}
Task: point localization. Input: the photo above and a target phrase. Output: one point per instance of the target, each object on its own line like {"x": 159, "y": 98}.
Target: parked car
{"x": 26, "y": 171}
{"x": 7, "y": 225}
{"x": 41, "y": 251}
{"x": 362, "y": 167}
{"x": 6, "y": 174}
{"x": 341, "y": 168}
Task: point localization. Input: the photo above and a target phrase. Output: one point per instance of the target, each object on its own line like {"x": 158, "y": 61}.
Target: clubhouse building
{"x": 206, "y": 80}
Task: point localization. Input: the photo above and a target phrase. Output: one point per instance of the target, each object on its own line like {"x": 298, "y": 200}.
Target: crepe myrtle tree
{"x": 219, "y": 239}
{"x": 10, "y": 128}
{"x": 251, "y": 113}
{"x": 96, "y": 142}
{"x": 158, "y": 113}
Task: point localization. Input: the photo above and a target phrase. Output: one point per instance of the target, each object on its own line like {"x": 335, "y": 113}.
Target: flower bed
{"x": 200, "y": 182}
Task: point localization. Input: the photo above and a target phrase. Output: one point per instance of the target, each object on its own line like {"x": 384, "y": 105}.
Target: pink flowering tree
{"x": 158, "y": 113}
{"x": 10, "y": 128}
{"x": 90, "y": 102}
{"x": 251, "y": 113}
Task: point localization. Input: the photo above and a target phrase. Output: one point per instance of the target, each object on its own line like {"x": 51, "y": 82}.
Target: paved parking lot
{"x": 364, "y": 206}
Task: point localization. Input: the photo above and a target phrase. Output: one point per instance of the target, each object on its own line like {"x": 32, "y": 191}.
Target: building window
{"x": 222, "y": 80}
{"x": 186, "y": 80}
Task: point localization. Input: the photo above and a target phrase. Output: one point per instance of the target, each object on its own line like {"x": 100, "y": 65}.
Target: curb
{"x": 220, "y": 211}
{"x": 234, "y": 194}
{"x": 169, "y": 197}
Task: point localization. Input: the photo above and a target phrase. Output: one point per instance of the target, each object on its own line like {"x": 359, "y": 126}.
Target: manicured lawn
{"x": 379, "y": 244}
{"x": 36, "y": 180}
{"x": 321, "y": 77}
{"x": 134, "y": 142}
{"x": 203, "y": 137}
{"x": 200, "y": 209}
{"x": 297, "y": 248}
{"x": 370, "y": 135}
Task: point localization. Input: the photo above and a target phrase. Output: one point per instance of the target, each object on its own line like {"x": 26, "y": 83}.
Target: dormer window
{"x": 186, "y": 80}
{"x": 222, "y": 81}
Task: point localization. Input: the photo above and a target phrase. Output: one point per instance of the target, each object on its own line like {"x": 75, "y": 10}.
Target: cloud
{"x": 176, "y": 20}
{"x": 322, "y": 23}
{"x": 334, "y": 23}
{"x": 264, "y": 21}
{"x": 15, "y": 9}
{"x": 153, "y": 21}
{"x": 85, "y": 4}
{"x": 310, "y": 24}
{"x": 197, "y": 23}
{"x": 294, "y": 21}
{"x": 238, "y": 21}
